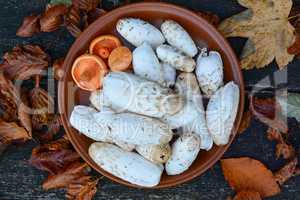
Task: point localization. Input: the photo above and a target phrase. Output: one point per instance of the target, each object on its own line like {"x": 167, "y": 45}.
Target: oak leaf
{"x": 249, "y": 174}
{"x": 269, "y": 33}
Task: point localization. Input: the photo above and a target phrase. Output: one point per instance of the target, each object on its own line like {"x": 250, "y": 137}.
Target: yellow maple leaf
{"x": 266, "y": 24}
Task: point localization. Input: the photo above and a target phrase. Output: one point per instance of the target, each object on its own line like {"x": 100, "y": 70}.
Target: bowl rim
{"x": 188, "y": 14}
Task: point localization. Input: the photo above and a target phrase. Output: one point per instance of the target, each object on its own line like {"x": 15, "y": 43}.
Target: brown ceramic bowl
{"x": 203, "y": 34}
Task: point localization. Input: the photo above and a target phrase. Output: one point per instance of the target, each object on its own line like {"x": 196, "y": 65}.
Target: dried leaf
{"x": 93, "y": 15}
{"x": 57, "y": 69}
{"x": 210, "y": 17}
{"x": 52, "y": 129}
{"x": 53, "y": 18}
{"x": 286, "y": 172}
{"x": 82, "y": 189}
{"x": 53, "y": 157}
{"x": 249, "y": 174}
{"x": 29, "y": 27}
{"x": 73, "y": 21}
{"x": 268, "y": 111}
{"x": 12, "y": 132}
{"x": 24, "y": 61}
{"x": 247, "y": 195}
{"x": 290, "y": 104}
{"x": 295, "y": 48}
{"x": 43, "y": 107}
{"x": 9, "y": 99}
{"x": 66, "y": 176}
{"x": 86, "y": 5}
{"x": 23, "y": 114}
{"x": 270, "y": 34}
{"x": 274, "y": 134}
{"x": 245, "y": 123}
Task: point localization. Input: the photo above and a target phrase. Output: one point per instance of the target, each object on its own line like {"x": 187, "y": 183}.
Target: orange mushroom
{"x": 102, "y": 46}
{"x": 88, "y": 72}
{"x": 120, "y": 59}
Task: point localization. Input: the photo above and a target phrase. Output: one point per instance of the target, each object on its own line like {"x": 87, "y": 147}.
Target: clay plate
{"x": 203, "y": 34}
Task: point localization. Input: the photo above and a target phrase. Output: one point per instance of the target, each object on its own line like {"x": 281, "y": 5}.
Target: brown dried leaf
{"x": 86, "y": 5}
{"x": 54, "y": 156}
{"x": 52, "y": 129}
{"x": 53, "y": 18}
{"x": 9, "y": 99}
{"x": 249, "y": 174}
{"x": 73, "y": 21}
{"x": 29, "y": 27}
{"x": 245, "y": 123}
{"x": 82, "y": 189}
{"x": 270, "y": 34}
{"x": 247, "y": 195}
{"x": 66, "y": 176}
{"x": 23, "y": 113}
{"x": 274, "y": 134}
{"x": 286, "y": 172}
{"x": 269, "y": 112}
{"x": 12, "y": 132}
{"x": 295, "y": 48}
{"x": 57, "y": 69}
{"x": 93, "y": 15}
{"x": 43, "y": 107}
{"x": 24, "y": 61}
{"x": 210, "y": 17}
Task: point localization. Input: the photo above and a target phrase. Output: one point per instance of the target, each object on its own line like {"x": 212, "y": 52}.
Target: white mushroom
{"x": 184, "y": 151}
{"x": 126, "y": 91}
{"x": 137, "y": 31}
{"x": 209, "y": 71}
{"x": 178, "y": 37}
{"x": 126, "y": 165}
{"x": 169, "y": 74}
{"x": 132, "y": 128}
{"x": 175, "y": 58}
{"x": 221, "y": 112}
{"x": 146, "y": 64}
{"x": 155, "y": 153}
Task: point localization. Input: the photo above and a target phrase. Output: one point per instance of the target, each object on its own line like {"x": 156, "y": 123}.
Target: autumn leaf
{"x": 249, "y": 174}
{"x": 86, "y": 5}
{"x": 269, "y": 33}
{"x": 245, "y": 123}
{"x": 53, "y": 128}
{"x": 24, "y": 61}
{"x": 9, "y": 99}
{"x": 66, "y": 176}
{"x": 65, "y": 2}
{"x": 268, "y": 111}
{"x": 12, "y": 132}
{"x": 82, "y": 189}
{"x": 54, "y": 156}
{"x": 53, "y": 17}
{"x": 43, "y": 106}
{"x": 247, "y": 195}
{"x": 29, "y": 27}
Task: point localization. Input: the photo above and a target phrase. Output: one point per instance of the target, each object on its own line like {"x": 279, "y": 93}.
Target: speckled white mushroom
{"x": 129, "y": 92}
{"x": 178, "y": 37}
{"x": 175, "y": 58}
{"x": 209, "y": 71}
{"x": 132, "y": 128}
{"x": 184, "y": 151}
{"x": 155, "y": 153}
{"x": 128, "y": 166}
{"x": 146, "y": 64}
{"x": 137, "y": 31}
{"x": 221, "y": 112}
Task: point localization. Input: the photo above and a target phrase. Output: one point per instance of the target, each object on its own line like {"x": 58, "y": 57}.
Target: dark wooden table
{"x": 18, "y": 180}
